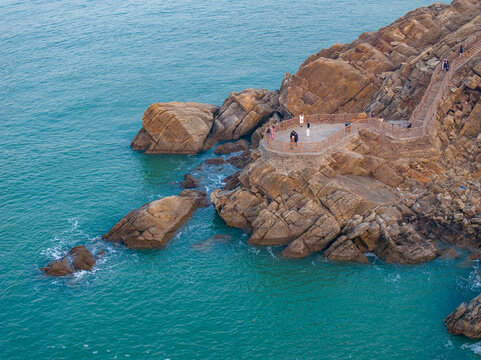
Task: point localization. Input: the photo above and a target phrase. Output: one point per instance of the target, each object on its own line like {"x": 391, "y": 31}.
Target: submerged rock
{"x": 215, "y": 161}
{"x": 232, "y": 147}
{"x": 153, "y": 224}
{"x": 189, "y": 182}
{"x": 77, "y": 259}
{"x": 240, "y": 161}
{"x": 466, "y": 319}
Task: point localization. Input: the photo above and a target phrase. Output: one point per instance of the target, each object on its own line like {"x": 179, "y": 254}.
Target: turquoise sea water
{"x": 75, "y": 78}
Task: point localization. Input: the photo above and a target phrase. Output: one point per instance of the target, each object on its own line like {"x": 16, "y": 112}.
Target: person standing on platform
{"x": 308, "y": 130}
{"x": 301, "y": 119}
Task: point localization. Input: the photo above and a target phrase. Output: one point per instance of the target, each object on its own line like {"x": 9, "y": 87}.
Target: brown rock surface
{"x": 177, "y": 128}
{"x": 189, "y": 182}
{"x": 466, "y": 319}
{"x": 77, "y": 259}
{"x": 241, "y": 113}
{"x": 385, "y": 71}
{"x": 345, "y": 250}
{"x": 153, "y": 224}
{"x": 232, "y": 147}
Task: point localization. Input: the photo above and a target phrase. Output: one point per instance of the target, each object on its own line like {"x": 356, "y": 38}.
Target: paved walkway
{"x": 319, "y": 132}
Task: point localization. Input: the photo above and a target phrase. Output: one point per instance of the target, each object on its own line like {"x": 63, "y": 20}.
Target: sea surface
{"x": 75, "y": 78}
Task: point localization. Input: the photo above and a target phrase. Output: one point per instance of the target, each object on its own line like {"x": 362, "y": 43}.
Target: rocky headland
{"x": 407, "y": 201}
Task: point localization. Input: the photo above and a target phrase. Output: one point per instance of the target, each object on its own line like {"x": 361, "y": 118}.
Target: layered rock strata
{"x": 466, "y": 319}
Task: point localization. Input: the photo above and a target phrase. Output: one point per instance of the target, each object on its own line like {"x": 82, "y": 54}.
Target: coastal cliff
{"x": 406, "y": 200}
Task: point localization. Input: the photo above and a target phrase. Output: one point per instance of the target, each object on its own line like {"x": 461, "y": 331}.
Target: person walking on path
{"x": 301, "y": 119}
{"x": 461, "y": 50}
{"x": 444, "y": 66}
{"x": 308, "y": 130}
{"x": 273, "y": 130}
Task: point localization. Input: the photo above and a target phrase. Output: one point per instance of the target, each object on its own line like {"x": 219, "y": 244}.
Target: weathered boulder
{"x": 466, "y": 319}
{"x": 189, "y": 182}
{"x": 77, "y": 259}
{"x": 175, "y": 127}
{"x": 153, "y": 224}
{"x": 232, "y": 147}
{"x": 316, "y": 238}
{"x": 323, "y": 85}
{"x": 241, "y": 113}
{"x": 344, "y": 249}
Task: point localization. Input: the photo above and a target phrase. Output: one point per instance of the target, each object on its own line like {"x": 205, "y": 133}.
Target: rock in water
{"x": 153, "y": 224}
{"x": 189, "y": 182}
{"x": 82, "y": 258}
{"x": 175, "y": 128}
{"x": 78, "y": 258}
{"x": 231, "y": 147}
{"x": 466, "y": 319}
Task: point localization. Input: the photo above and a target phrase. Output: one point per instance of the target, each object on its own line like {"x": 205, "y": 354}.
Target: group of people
{"x": 294, "y": 136}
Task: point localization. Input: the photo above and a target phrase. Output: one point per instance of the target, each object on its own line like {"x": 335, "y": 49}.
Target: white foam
{"x": 475, "y": 348}
{"x": 393, "y": 278}
{"x": 269, "y": 250}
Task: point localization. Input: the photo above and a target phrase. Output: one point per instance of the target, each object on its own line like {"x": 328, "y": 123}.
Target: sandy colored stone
{"x": 175, "y": 127}
{"x": 153, "y": 224}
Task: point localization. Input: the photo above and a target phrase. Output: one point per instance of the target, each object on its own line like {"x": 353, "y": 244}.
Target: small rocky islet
{"x": 408, "y": 201}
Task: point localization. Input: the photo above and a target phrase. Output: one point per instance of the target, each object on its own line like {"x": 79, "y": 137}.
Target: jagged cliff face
{"x": 385, "y": 71}
{"x": 405, "y": 201}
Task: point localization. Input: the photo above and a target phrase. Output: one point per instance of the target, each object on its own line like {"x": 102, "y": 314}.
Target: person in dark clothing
{"x": 461, "y": 50}
{"x": 409, "y": 125}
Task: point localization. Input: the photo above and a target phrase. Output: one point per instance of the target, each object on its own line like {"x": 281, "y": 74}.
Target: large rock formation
{"x": 466, "y": 319}
{"x": 178, "y": 128}
{"x": 78, "y": 258}
{"x": 241, "y": 113}
{"x": 399, "y": 199}
{"x": 385, "y": 71}
{"x": 188, "y": 128}
{"x": 323, "y": 209}
{"x": 153, "y": 224}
